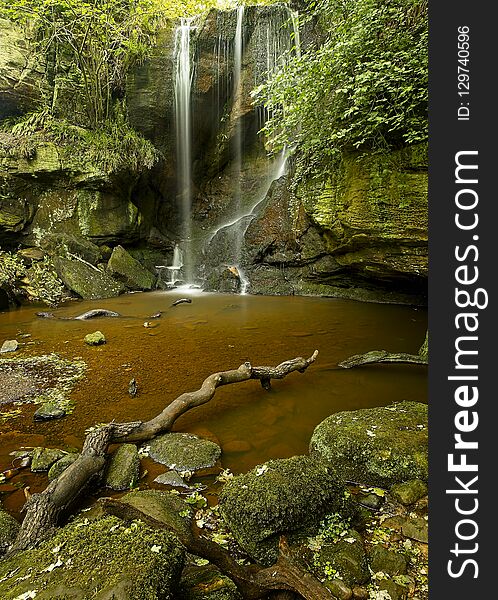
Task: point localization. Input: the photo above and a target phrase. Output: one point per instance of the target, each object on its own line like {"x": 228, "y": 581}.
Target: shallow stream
{"x": 215, "y": 332}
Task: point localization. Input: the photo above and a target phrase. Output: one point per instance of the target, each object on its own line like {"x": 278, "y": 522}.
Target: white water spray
{"x": 183, "y": 111}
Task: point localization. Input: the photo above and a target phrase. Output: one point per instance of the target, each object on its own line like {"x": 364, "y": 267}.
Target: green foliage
{"x": 364, "y": 87}
{"x": 39, "y": 282}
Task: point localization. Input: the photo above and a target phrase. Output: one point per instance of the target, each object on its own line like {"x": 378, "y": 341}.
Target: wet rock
{"x": 61, "y": 465}
{"x": 124, "y": 469}
{"x": 87, "y": 282}
{"x": 339, "y": 589}
{"x": 360, "y": 593}
{"x": 61, "y": 244}
{"x": 133, "y": 388}
{"x": 9, "y": 528}
{"x": 165, "y": 507}
{"x": 43, "y": 458}
{"x": 31, "y": 254}
{"x": 395, "y": 590}
{"x": 128, "y": 270}
{"x": 48, "y": 411}
{"x": 237, "y": 446}
{"x": 409, "y": 492}
{"x": 277, "y": 497}
{"x": 105, "y": 558}
{"x": 388, "y": 561}
{"x": 184, "y": 451}
{"x": 348, "y": 557}
{"x": 97, "y": 338}
{"x": 206, "y": 583}
{"x": 224, "y": 280}
{"x": 173, "y": 479}
{"x": 377, "y": 446}
{"x": 416, "y": 529}
{"x": 9, "y": 346}
{"x": 370, "y": 500}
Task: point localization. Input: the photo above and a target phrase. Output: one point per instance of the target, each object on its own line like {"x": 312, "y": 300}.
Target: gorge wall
{"x": 359, "y": 230}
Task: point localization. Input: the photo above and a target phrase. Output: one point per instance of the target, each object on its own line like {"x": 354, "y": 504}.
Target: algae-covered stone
{"x": 128, "y": 270}
{"x": 44, "y": 458}
{"x": 87, "y": 282}
{"x": 165, "y": 507}
{"x": 206, "y": 583}
{"x": 9, "y": 346}
{"x": 378, "y": 446}
{"x": 124, "y": 469}
{"x": 173, "y": 479}
{"x": 347, "y": 556}
{"x": 184, "y": 451}
{"x": 409, "y": 492}
{"x": 61, "y": 465}
{"x": 387, "y": 561}
{"x": 106, "y": 558}
{"x": 97, "y": 338}
{"x": 48, "y": 411}
{"x": 279, "y": 496}
{"x": 8, "y": 530}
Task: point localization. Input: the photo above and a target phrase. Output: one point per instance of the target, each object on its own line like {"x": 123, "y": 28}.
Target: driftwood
{"x": 253, "y": 581}
{"x": 382, "y": 356}
{"x": 43, "y": 509}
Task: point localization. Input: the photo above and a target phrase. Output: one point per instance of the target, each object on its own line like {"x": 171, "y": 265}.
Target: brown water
{"x": 216, "y": 332}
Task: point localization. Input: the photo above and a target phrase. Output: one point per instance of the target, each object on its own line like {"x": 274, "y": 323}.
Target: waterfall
{"x": 183, "y": 110}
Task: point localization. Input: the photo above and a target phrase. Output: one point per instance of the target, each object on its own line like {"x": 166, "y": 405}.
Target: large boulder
{"x": 106, "y": 558}
{"x": 87, "y": 282}
{"x": 128, "y": 270}
{"x": 377, "y": 446}
{"x": 280, "y": 496}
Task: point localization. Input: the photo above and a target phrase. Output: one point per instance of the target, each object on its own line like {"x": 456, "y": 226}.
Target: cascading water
{"x": 176, "y": 266}
{"x": 183, "y": 114}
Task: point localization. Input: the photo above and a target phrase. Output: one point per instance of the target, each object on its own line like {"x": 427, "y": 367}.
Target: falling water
{"x": 183, "y": 109}
{"x": 176, "y": 266}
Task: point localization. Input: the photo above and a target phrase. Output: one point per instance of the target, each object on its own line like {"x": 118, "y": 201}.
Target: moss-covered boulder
{"x": 128, "y": 270}
{"x": 44, "y": 458}
{"x": 97, "y": 338}
{"x": 388, "y": 561}
{"x": 378, "y": 446}
{"x": 8, "y": 530}
{"x": 206, "y": 583}
{"x": 278, "y": 497}
{"x": 184, "y": 451}
{"x": 61, "y": 465}
{"x": 87, "y": 282}
{"x": 409, "y": 492}
{"x": 124, "y": 468}
{"x": 49, "y": 410}
{"x": 165, "y": 507}
{"x": 346, "y": 556}
{"x": 106, "y": 558}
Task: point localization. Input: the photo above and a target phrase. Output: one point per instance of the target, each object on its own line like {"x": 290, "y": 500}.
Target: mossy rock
{"x": 8, "y": 530}
{"x": 48, "y": 411}
{"x": 347, "y": 556}
{"x": 44, "y": 458}
{"x": 377, "y": 446}
{"x": 61, "y": 465}
{"x": 278, "y": 497}
{"x": 124, "y": 468}
{"x": 165, "y": 507}
{"x": 97, "y": 338}
{"x": 106, "y": 558}
{"x": 206, "y": 583}
{"x": 124, "y": 267}
{"x": 387, "y": 561}
{"x": 85, "y": 281}
{"x": 184, "y": 451}
{"x": 409, "y": 492}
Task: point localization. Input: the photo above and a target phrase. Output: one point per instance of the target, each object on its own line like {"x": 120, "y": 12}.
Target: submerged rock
{"x": 206, "y": 583}
{"x": 97, "y": 338}
{"x": 279, "y": 496}
{"x": 48, "y": 411}
{"x": 44, "y": 458}
{"x": 61, "y": 465}
{"x": 128, "y": 270}
{"x": 106, "y": 558}
{"x": 173, "y": 479}
{"x": 184, "y": 451}
{"x": 124, "y": 468}
{"x": 377, "y": 446}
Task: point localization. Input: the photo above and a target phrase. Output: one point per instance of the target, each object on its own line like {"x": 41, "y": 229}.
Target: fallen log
{"x": 43, "y": 509}
{"x": 382, "y": 356}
